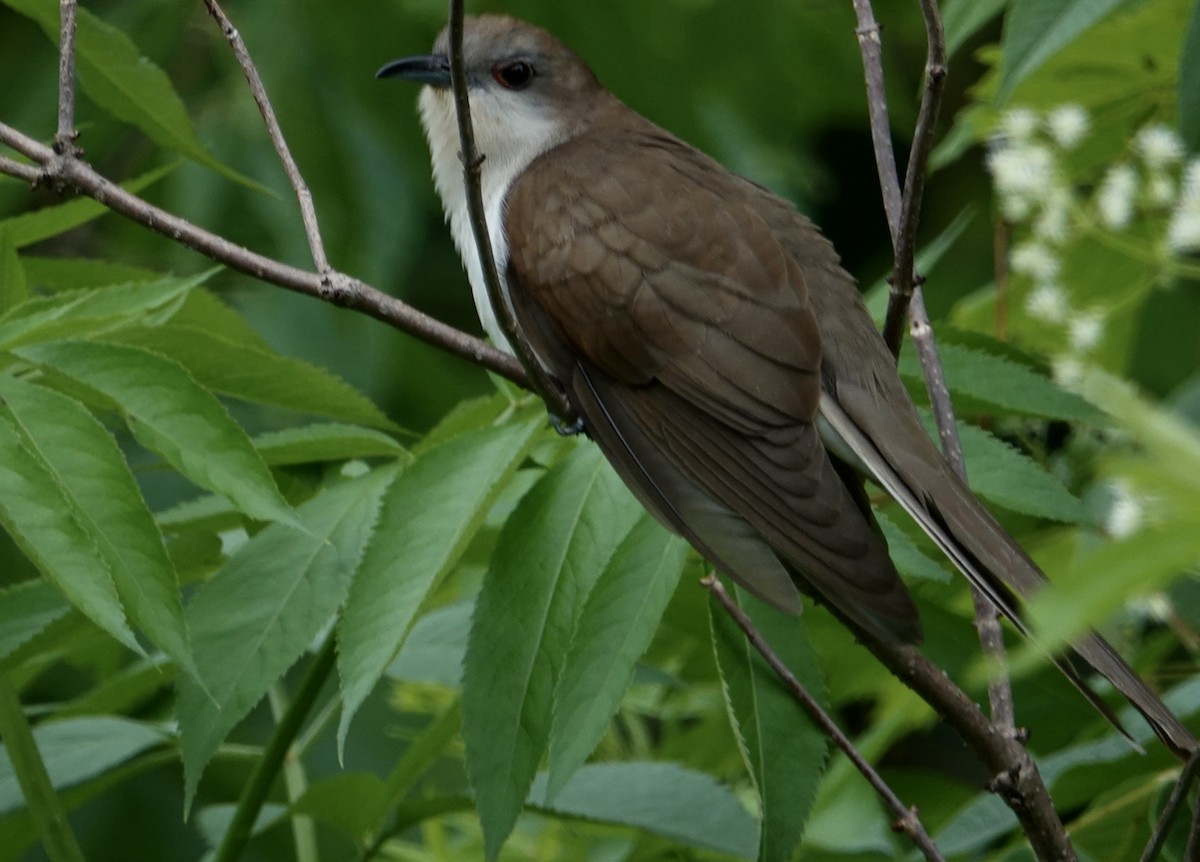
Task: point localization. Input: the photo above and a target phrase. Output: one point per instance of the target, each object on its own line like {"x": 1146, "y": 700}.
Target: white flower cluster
{"x": 1027, "y": 164}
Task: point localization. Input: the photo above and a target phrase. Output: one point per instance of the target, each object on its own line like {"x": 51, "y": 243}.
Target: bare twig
{"x": 472, "y": 160}
{"x": 881, "y": 126}
{"x": 905, "y": 297}
{"x": 1158, "y": 838}
{"x": 307, "y": 212}
{"x": 29, "y": 173}
{"x": 64, "y": 140}
{"x": 906, "y": 818}
{"x": 337, "y": 288}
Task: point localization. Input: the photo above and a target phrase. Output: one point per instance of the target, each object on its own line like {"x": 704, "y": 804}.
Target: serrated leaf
{"x": 28, "y": 228}
{"x": 327, "y": 442}
{"x": 436, "y": 648}
{"x": 13, "y": 286}
{"x": 77, "y": 749}
{"x": 37, "y": 514}
{"x": 118, "y": 78}
{"x": 25, "y": 610}
{"x": 962, "y": 19}
{"x": 999, "y": 383}
{"x": 664, "y": 799}
{"x": 551, "y": 551}
{"x": 91, "y": 312}
{"x": 616, "y": 625}
{"x": 910, "y": 560}
{"x": 1034, "y": 30}
{"x": 76, "y": 273}
{"x": 428, "y": 516}
{"x": 348, "y": 801}
{"x": 105, "y": 501}
{"x": 239, "y": 370}
{"x": 783, "y": 749}
{"x": 169, "y": 413}
{"x": 259, "y": 613}
{"x": 1003, "y": 475}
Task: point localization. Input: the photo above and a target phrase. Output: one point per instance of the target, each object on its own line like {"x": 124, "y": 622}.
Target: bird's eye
{"x": 514, "y": 76}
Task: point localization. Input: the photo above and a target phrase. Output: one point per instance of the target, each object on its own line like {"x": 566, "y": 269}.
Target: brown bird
{"x": 713, "y": 345}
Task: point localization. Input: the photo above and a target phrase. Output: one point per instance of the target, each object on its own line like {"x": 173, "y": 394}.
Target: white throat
{"x": 510, "y": 134}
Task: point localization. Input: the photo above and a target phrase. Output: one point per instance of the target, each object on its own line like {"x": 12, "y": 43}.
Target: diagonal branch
{"x": 303, "y": 196}
{"x": 906, "y": 818}
{"x": 336, "y": 288}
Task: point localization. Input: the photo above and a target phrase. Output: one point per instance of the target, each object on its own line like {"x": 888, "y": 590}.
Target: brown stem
{"x": 906, "y": 818}
{"x": 64, "y": 139}
{"x": 335, "y": 287}
{"x": 472, "y": 160}
{"x": 308, "y": 213}
{"x": 1158, "y": 838}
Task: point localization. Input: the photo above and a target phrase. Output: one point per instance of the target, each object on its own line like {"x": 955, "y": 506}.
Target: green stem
{"x": 254, "y": 794}
{"x": 45, "y": 808}
{"x": 420, "y": 756}
{"x": 295, "y": 782}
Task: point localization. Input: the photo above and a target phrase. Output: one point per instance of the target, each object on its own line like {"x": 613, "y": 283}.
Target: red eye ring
{"x": 514, "y": 75}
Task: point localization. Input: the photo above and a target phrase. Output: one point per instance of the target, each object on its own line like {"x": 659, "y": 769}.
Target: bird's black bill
{"x": 433, "y": 70}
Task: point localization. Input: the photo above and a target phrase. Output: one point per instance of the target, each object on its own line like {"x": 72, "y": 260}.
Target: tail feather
{"x": 918, "y": 478}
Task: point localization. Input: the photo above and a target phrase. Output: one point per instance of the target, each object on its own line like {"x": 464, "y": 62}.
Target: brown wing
{"x": 643, "y": 275}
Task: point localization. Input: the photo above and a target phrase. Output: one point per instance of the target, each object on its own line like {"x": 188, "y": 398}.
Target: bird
{"x": 712, "y": 344}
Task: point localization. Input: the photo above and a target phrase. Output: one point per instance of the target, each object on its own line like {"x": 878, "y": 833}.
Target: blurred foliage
{"x": 206, "y": 483}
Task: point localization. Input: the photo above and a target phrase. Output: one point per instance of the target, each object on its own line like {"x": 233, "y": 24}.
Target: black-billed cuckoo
{"x": 712, "y": 344}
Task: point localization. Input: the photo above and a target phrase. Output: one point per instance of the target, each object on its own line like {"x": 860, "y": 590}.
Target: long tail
{"x": 922, "y": 483}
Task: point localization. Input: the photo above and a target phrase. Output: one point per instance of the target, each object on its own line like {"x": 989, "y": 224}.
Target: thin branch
{"x": 1158, "y": 838}
{"x": 472, "y": 160}
{"x": 255, "y": 791}
{"x": 906, "y": 818}
{"x": 905, "y": 297}
{"x": 1015, "y": 776}
{"x": 335, "y": 287}
{"x": 307, "y": 212}
{"x": 64, "y": 140}
{"x": 871, "y": 47}
{"x": 29, "y": 173}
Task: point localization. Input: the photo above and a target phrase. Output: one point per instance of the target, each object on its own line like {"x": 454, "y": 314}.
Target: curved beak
{"x": 433, "y": 70}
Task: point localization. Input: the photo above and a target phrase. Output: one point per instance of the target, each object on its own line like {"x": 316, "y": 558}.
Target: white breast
{"x": 509, "y": 136}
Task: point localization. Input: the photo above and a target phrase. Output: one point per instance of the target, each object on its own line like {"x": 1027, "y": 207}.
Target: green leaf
{"x": 1003, "y": 475}
{"x": 25, "y": 610}
{"x": 783, "y": 749}
{"x": 551, "y": 551}
{"x": 616, "y": 625}
{"x": 347, "y": 801}
{"x": 251, "y": 373}
{"x": 1035, "y": 30}
{"x": 75, "y": 273}
{"x": 118, "y": 78}
{"x": 327, "y": 442}
{"x": 13, "y": 286}
{"x": 259, "y": 613}
{"x": 77, "y": 749}
{"x": 910, "y": 560}
{"x": 1000, "y": 384}
{"x": 105, "y": 502}
{"x": 428, "y": 516}
{"x": 38, "y": 515}
{"x": 91, "y": 312}
{"x": 1189, "y": 84}
{"x": 962, "y": 19}
{"x": 664, "y": 799}
{"x": 436, "y": 648}
{"x": 169, "y": 413}
{"x": 28, "y": 228}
